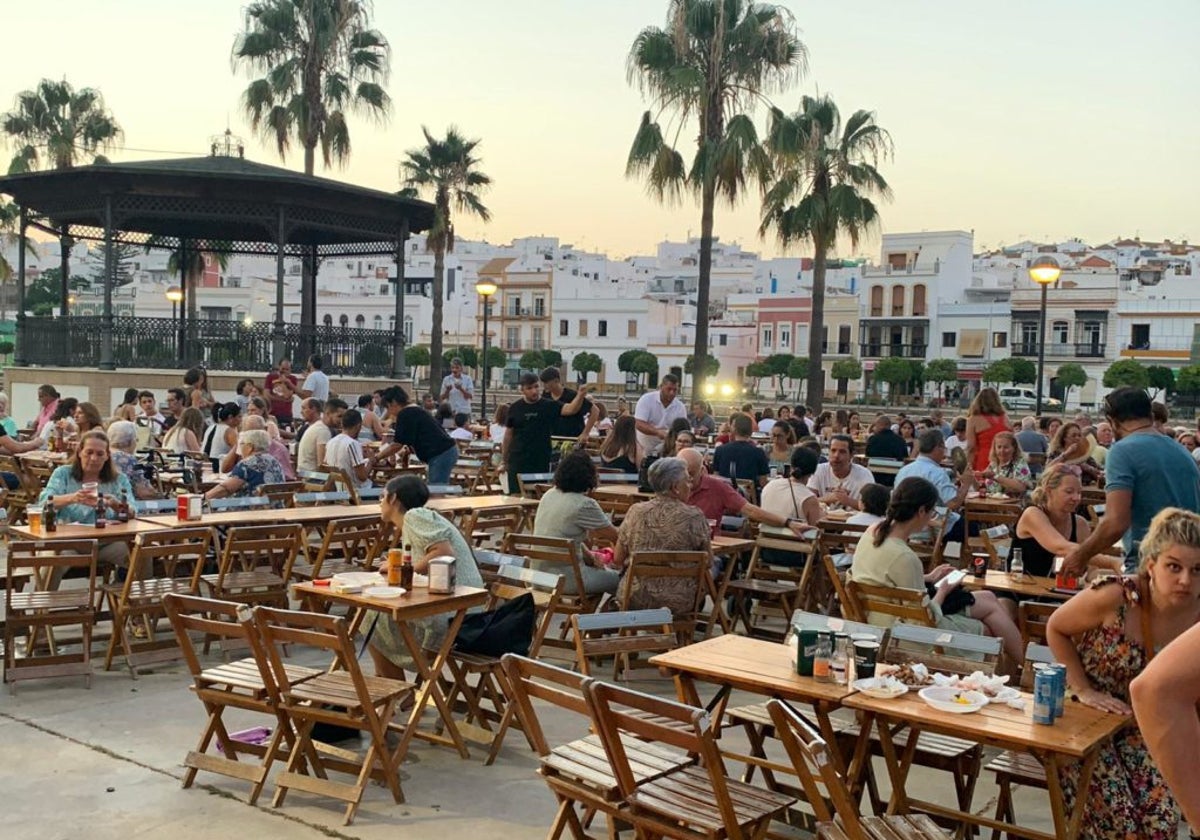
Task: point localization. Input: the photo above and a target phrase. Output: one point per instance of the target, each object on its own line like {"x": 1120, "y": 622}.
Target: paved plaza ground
{"x": 105, "y": 763}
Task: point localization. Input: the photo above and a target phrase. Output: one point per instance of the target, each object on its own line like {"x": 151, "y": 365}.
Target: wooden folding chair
{"x": 468, "y": 474}
{"x": 578, "y": 773}
{"x": 283, "y": 494}
{"x": 980, "y": 518}
{"x": 340, "y": 480}
{"x": 526, "y": 481}
{"x": 163, "y": 562}
{"x": 691, "y": 802}
{"x": 239, "y": 503}
{"x": 836, "y": 541}
{"x": 910, "y": 605}
{"x": 556, "y": 555}
{"x": 342, "y": 697}
{"x": 1032, "y": 618}
{"x": 247, "y": 684}
{"x": 652, "y": 574}
{"x": 478, "y": 680}
{"x": 36, "y": 605}
{"x": 256, "y": 564}
{"x": 776, "y": 591}
{"x": 348, "y": 545}
{"x": 491, "y": 526}
{"x": 315, "y": 481}
{"x": 824, "y": 786}
{"x": 321, "y": 497}
{"x": 1018, "y": 768}
{"x": 26, "y": 492}
{"x": 997, "y": 542}
{"x": 621, "y": 636}
{"x": 614, "y": 505}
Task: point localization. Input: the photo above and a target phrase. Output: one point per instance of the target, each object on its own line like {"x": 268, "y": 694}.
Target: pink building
{"x": 783, "y": 324}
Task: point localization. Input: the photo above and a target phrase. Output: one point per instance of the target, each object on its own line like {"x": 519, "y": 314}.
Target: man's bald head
{"x": 695, "y": 465}
{"x": 252, "y": 422}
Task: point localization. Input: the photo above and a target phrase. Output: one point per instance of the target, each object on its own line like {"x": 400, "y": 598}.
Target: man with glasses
{"x": 1145, "y": 472}
{"x": 931, "y": 452}
{"x": 840, "y": 481}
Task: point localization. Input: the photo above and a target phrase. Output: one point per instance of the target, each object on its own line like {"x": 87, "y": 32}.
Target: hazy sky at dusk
{"x": 1019, "y": 119}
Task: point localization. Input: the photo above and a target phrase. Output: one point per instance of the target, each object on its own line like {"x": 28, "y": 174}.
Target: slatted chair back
{"x": 825, "y": 623}
{"x": 162, "y": 563}
{"x": 147, "y": 507}
{"x": 748, "y": 487}
{"x": 315, "y": 481}
{"x": 980, "y": 518}
{"x": 468, "y": 473}
{"x": 909, "y": 605}
{"x": 557, "y": 555}
{"x": 21, "y": 496}
{"x": 513, "y": 582}
{"x": 38, "y": 473}
{"x": 764, "y": 597}
{"x": 348, "y": 545}
{"x": 282, "y": 494}
{"x": 607, "y": 476}
{"x": 997, "y": 541}
{"x": 36, "y": 605}
{"x": 528, "y": 680}
{"x": 615, "y": 506}
{"x": 491, "y": 526}
{"x": 321, "y": 497}
{"x": 837, "y": 541}
{"x": 491, "y": 562}
{"x": 621, "y": 635}
{"x": 1095, "y": 512}
{"x": 826, "y": 791}
{"x": 942, "y": 650}
{"x": 240, "y": 503}
{"x": 341, "y": 480}
{"x": 525, "y": 482}
{"x": 1032, "y": 618}
{"x": 651, "y": 574}
{"x": 256, "y": 563}
{"x": 1035, "y": 654}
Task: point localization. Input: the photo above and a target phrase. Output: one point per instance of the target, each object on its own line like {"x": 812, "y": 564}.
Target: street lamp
{"x": 175, "y": 295}
{"x": 485, "y": 289}
{"x": 1044, "y": 271}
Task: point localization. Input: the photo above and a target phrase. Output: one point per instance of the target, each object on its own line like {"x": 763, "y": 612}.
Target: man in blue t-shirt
{"x": 1145, "y": 472}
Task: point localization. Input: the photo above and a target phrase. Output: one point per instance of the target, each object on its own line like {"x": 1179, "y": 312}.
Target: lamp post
{"x": 1045, "y": 272}
{"x": 485, "y": 289}
{"x": 175, "y": 295}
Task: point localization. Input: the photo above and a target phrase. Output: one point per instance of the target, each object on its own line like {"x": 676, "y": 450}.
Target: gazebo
{"x": 215, "y": 204}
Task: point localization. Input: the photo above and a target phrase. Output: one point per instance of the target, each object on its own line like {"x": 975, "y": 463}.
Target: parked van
{"x": 1025, "y": 399}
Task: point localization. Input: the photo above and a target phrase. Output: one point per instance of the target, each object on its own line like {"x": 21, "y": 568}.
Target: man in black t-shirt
{"x": 414, "y": 427}
{"x": 577, "y": 426}
{"x": 526, "y": 447}
{"x": 742, "y": 458}
{"x": 884, "y": 443}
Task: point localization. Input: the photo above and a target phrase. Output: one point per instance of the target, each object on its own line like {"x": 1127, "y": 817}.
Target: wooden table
{"x": 455, "y": 505}
{"x": 1024, "y": 586}
{"x": 113, "y": 532}
{"x": 630, "y": 490}
{"x": 315, "y": 515}
{"x": 417, "y": 604}
{"x": 1075, "y": 737}
{"x": 44, "y": 456}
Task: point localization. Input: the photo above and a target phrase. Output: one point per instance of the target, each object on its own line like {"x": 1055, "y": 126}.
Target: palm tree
{"x": 712, "y": 61}
{"x": 449, "y": 168}
{"x": 58, "y": 127}
{"x": 319, "y": 59}
{"x": 825, "y": 174}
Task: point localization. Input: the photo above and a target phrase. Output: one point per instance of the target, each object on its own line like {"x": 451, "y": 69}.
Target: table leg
{"x": 898, "y": 765}
{"x": 859, "y": 761}
{"x": 1067, "y": 825}
{"x": 430, "y": 690}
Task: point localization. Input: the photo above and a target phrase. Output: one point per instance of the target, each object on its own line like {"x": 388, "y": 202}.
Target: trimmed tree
{"x": 644, "y": 363}
{"x": 997, "y": 372}
{"x": 586, "y": 363}
{"x": 1162, "y": 379}
{"x": 1024, "y": 371}
{"x": 757, "y": 371}
{"x": 626, "y": 359}
{"x": 711, "y": 365}
{"x": 798, "y": 372}
{"x": 941, "y": 371}
{"x": 1188, "y": 380}
{"x": 1071, "y": 375}
{"x": 895, "y": 371}
{"x": 532, "y": 360}
{"x": 843, "y": 371}
{"x": 416, "y": 357}
{"x": 779, "y": 363}
{"x": 1128, "y": 372}
{"x": 469, "y": 356}
{"x": 552, "y": 358}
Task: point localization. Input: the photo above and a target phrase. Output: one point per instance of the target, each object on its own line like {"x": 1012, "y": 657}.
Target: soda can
{"x": 1060, "y": 694}
{"x": 1044, "y": 685}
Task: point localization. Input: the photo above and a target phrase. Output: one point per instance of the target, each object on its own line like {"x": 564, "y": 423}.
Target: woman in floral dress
{"x": 1007, "y": 471}
{"x": 1127, "y": 797}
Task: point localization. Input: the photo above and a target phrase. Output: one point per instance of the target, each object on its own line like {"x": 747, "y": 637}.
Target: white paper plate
{"x": 358, "y": 579}
{"x": 870, "y": 687}
{"x": 384, "y": 591}
{"x": 943, "y": 699}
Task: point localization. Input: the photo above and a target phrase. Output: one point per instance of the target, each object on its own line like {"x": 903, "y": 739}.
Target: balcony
{"x": 907, "y": 351}
{"x": 1085, "y": 350}
{"x": 841, "y": 348}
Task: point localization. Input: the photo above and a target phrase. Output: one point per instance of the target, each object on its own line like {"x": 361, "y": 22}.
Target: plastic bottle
{"x": 838, "y": 663}
{"x": 406, "y": 569}
{"x": 101, "y": 513}
{"x": 50, "y": 517}
{"x": 1016, "y": 563}
{"x": 822, "y": 666}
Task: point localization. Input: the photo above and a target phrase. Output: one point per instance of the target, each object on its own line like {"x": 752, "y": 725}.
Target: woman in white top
{"x": 791, "y": 498}
{"x": 185, "y": 435}
{"x": 222, "y": 437}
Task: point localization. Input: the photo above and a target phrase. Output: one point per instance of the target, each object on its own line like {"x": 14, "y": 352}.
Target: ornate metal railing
{"x": 218, "y": 344}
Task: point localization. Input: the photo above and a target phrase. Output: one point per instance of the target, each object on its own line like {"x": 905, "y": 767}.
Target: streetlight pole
{"x": 485, "y": 289}
{"x": 175, "y": 295}
{"x": 1044, "y": 271}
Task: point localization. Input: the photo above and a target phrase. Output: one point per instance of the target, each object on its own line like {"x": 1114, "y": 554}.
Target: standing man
{"x": 310, "y": 454}
{"x": 655, "y": 412}
{"x": 458, "y": 388}
{"x": 577, "y": 426}
{"x": 1145, "y": 472}
{"x": 526, "y": 447}
{"x": 316, "y": 384}
{"x": 281, "y": 389}
{"x": 415, "y": 429}
{"x": 840, "y": 481}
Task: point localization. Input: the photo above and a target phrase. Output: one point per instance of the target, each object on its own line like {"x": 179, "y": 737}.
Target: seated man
{"x": 345, "y": 452}
{"x": 741, "y": 458}
{"x": 931, "y": 451}
{"x": 717, "y": 498}
{"x": 840, "y": 481}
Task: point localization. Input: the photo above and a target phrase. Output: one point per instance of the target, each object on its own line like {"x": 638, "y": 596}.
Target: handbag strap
{"x": 1144, "y": 598}
{"x": 792, "y": 488}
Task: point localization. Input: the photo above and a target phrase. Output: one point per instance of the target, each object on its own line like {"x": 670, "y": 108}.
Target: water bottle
{"x": 1016, "y": 563}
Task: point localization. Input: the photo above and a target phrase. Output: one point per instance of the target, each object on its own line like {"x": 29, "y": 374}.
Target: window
{"x": 844, "y": 338}
{"x": 897, "y": 262}
{"x": 801, "y": 342}
{"x": 1141, "y": 337}
{"x": 408, "y": 329}
{"x": 1029, "y": 336}
{"x": 723, "y": 340}
{"x": 949, "y": 339}
{"x": 999, "y": 340}
{"x": 539, "y": 341}
{"x": 391, "y": 323}
{"x": 583, "y": 329}
{"x": 344, "y": 321}
{"x": 377, "y": 323}
{"x": 766, "y": 338}
{"x": 512, "y": 338}
{"x": 564, "y": 327}
{"x": 785, "y": 337}
{"x": 919, "y": 301}
{"x": 631, "y": 328}
{"x": 514, "y": 305}
{"x": 539, "y": 307}
{"x": 383, "y": 290}
{"x": 360, "y": 321}
{"x": 876, "y": 301}
{"x": 294, "y": 318}
{"x": 897, "y": 301}
{"x": 1059, "y": 331}
{"x": 1091, "y": 333}
{"x": 328, "y": 320}
{"x": 602, "y": 329}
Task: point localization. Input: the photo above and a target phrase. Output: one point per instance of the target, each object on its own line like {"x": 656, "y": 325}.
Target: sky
{"x": 1040, "y": 119}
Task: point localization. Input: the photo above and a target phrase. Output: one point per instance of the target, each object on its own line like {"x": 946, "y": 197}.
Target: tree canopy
{"x": 1071, "y": 375}
{"x": 1024, "y": 371}
{"x": 1161, "y": 378}
{"x": 1123, "y": 372}
{"x": 998, "y": 372}
{"x": 532, "y": 360}
{"x": 586, "y": 363}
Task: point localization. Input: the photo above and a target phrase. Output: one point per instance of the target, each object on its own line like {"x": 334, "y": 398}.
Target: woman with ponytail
{"x": 883, "y": 558}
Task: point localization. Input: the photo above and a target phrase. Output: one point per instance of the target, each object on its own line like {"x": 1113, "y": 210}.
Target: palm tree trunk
{"x": 700, "y": 350}
{"x": 435, "y": 326}
{"x": 816, "y": 374}
{"x": 308, "y": 299}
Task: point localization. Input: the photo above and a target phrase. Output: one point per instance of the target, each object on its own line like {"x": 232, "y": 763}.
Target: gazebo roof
{"x": 217, "y": 199}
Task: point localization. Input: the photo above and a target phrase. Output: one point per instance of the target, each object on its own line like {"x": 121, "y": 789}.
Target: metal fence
{"x": 218, "y": 344}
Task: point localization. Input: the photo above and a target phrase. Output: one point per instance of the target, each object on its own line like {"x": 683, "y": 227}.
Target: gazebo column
{"x": 310, "y": 257}
{"x": 188, "y": 302}
{"x": 20, "y": 359}
{"x": 278, "y": 335}
{"x": 106, "y": 324}
{"x": 398, "y": 332}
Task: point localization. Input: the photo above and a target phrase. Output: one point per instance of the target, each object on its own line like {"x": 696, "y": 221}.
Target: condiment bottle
{"x": 406, "y": 569}
{"x": 50, "y": 517}
{"x": 822, "y": 670}
{"x": 841, "y": 656}
{"x": 123, "y": 509}
{"x": 101, "y": 513}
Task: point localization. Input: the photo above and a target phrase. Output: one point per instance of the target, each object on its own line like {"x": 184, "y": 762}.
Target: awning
{"x": 971, "y": 343}
{"x": 972, "y": 375}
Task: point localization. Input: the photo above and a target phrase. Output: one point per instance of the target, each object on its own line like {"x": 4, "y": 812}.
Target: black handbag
{"x": 644, "y": 474}
{"x": 956, "y": 600}
{"x": 506, "y": 629}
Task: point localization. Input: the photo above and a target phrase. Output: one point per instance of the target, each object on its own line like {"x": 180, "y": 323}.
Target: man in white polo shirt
{"x": 656, "y": 411}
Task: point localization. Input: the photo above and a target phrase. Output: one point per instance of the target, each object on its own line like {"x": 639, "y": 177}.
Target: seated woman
{"x": 73, "y": 502}
{"x": 255, "y": 468}
{"x": 428, "y": 534}
{"x": 1070, "y": 446}
{"x": 567, "y": 511}
{"x": 664, "y": 523}
{"x": 1105, "y": 636}
{"x": 222, "y": 437}
{"x": 908, "y": 433}
{"x": 679, "y": 436}
{"x": 620, "y": 449}
{"x": 791, "y": 498}
{"x": 883, "y": 558}
{"x": 783, "y": 440}
{"x": 63, "y": 419}
{"x": 122, "y": 441}
{"x": 1051, "y": 528}
{"x": 185, "y": 436}
{"x": 1007, "y": 471}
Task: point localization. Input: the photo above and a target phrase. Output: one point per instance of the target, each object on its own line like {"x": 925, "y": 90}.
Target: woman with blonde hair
{"x": 10, "y": 425}
{"x": 1007, "y": 470}
{"x": 1050, "y": 526}
{"x": 1105, "y": 636}
{"x": 185, "y": 436}
{"x": 986, "y": 418}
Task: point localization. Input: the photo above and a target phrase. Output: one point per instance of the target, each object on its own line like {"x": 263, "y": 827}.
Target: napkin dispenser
{"x": 441, "y": 575}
